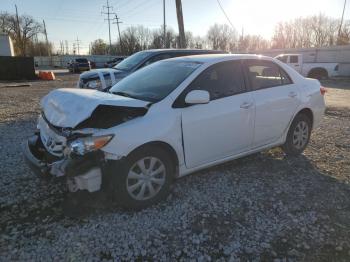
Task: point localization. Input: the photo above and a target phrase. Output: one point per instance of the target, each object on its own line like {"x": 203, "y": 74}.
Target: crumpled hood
{"x": 67, "y": 107}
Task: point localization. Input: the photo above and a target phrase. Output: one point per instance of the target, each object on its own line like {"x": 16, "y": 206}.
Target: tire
{"x": 318, "y": 73}
{"x": 298, "y": 135}
{"x": 128, "y": 180}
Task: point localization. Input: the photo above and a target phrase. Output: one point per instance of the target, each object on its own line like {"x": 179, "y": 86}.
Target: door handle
{"x": 292, "y": 94}
{"x": 246, "y": 105}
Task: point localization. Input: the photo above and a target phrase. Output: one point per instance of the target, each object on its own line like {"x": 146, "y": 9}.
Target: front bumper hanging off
{"x": 82, "y": 172}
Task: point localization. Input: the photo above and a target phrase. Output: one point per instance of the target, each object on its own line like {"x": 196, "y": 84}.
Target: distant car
{"x": 315, "y": 70}
{"x": 78, "y": 65}
{"x": 92, "y": 64}
{"x": 104, "y": 79}
{"x": 114, "y": 62}
{"x": 170, "y": 119}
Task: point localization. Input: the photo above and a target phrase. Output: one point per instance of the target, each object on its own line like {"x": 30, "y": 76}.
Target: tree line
{"x": 24, "y": 31}
{"x": 314, "y": 31}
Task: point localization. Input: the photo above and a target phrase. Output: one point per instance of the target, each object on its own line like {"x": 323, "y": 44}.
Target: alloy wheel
{"x": 300, "y": 135}
{"x": 145, "y": 178}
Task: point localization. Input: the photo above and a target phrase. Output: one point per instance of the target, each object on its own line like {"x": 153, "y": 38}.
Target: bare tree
{"x": 98, "y": 47}
{"x": 313, "y": 31}
{"x": 252, "y": 42}
{"x": 222, "y": 37}
{"x": 23, "y": 34}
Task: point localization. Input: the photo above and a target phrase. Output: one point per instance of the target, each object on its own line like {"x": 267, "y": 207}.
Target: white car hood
{"x": 67, "y": 107}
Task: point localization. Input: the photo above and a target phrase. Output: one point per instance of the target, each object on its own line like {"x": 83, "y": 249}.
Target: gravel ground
{"x": 264, "y": 207}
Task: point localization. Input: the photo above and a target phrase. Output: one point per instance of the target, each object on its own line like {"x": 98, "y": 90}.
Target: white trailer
{"x": 313, "y": 70}
{"x": 6, "y": 46}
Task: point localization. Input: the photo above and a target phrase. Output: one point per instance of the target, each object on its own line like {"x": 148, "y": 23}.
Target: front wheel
{"x": 298, "y": 135}
{"x": 144, "y": 179}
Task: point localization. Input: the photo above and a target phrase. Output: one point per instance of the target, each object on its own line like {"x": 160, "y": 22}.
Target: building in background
{"x": 6, "y": 46}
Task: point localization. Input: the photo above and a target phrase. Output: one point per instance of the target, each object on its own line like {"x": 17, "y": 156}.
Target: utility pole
{"x": 341, "y": 21}
{"x": 19, "y": 35}
{"x": 67, "y": 49}
{"x": 47, "y": 41}
{"x": 164, "y": 26}
{"x": 180, "y": 21}
{"x": 108, "y": 13}
{"x": 120, "y": 39}
{"x": 78, "y": 42}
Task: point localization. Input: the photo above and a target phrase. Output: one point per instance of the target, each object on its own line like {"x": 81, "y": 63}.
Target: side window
{"x": 293, "y": 59}
{"x": 282, "y": 58}
{"x": 265, "y": 74}
{"x": 220, "y": 80}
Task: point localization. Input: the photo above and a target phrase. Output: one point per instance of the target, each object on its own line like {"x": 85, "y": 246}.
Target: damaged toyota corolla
{"x": 170, "y": 119}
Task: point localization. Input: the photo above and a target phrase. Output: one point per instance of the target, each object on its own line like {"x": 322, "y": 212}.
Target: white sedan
{"x": 170, "y": 119}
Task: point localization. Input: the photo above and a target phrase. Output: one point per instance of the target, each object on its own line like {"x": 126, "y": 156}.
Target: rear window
{"x": 282, "y": 58}
{"x": 81, "y": 60}
{"x": 293, "y": 59}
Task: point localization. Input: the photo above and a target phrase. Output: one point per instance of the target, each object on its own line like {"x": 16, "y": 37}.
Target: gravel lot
{"x": 263, "y": 207}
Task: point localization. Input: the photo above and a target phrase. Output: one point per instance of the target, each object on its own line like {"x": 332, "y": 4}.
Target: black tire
{"x": 318, "y": 73}
{"x": 118, "y": 175}
{"x": 291, "y": 146}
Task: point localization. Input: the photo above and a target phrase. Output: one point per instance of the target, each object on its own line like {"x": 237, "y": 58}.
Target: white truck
{"x": 311, "y": 70}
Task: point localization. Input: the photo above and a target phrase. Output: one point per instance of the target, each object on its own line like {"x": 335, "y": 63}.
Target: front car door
{"x": 224, "y": 126}
{"x": 276, "y": 99}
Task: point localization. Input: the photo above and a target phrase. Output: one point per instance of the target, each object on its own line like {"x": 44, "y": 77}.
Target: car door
{"x": 276, "y": 99}
{"x": 224, "y": 126}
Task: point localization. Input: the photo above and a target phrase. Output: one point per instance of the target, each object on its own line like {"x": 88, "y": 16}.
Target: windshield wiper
{"x": 121, "y": 93}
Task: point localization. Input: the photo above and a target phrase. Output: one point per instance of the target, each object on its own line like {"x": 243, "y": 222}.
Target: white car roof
{"x": 212, "y": 58}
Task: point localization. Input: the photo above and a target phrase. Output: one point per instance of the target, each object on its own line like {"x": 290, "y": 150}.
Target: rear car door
{"x": 224, "y": 126}
{"x": 276, "y": 99}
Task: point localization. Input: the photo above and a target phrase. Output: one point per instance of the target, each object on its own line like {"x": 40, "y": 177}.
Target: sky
{"x": 83, "y": 19}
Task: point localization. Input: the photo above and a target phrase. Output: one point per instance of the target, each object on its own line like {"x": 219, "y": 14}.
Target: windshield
{"x": 133, "y": 60}
{"x": 154, "y": 82}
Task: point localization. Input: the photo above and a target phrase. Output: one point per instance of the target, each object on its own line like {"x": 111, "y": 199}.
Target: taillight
{"x": 323, "y": 90}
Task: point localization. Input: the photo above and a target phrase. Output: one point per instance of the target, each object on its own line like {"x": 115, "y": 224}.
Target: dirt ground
{"x": 265, "y": 207}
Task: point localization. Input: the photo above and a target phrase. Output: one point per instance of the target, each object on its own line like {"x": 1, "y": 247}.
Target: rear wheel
{"x": 318, "y": 73}
{"x": 144, "y": 179}
{"x": 298, "y": 135}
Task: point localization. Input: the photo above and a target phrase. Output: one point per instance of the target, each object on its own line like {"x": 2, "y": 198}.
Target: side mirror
{"x": 197, "y": 97}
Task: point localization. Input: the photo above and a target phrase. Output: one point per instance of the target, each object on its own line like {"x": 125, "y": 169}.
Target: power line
{"x": 78, "y": 44}
{"x": 108, "y": 13}
{"x": 164, "y": 26}
{"x": 118, "y": 22}
{"x": 222, "y": 9}
{"x": 342, "y": 18}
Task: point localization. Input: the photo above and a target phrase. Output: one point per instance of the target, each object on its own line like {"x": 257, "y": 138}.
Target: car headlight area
{"x": 81, "y": 146}
{"x": 94, "y": 84}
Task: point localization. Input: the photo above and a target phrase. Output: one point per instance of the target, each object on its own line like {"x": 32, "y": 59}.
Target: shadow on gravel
{"x": 265, "y": 205}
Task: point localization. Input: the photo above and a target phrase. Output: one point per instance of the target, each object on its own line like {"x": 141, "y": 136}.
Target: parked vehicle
{"x": 78, "y": 65}
{"x": 312, "y": 70}
{"x": 114, "y": 62}
{"x": 170, "y": 119}
{"x": 103, "y": 79}
{"x": 92, "y": 64}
